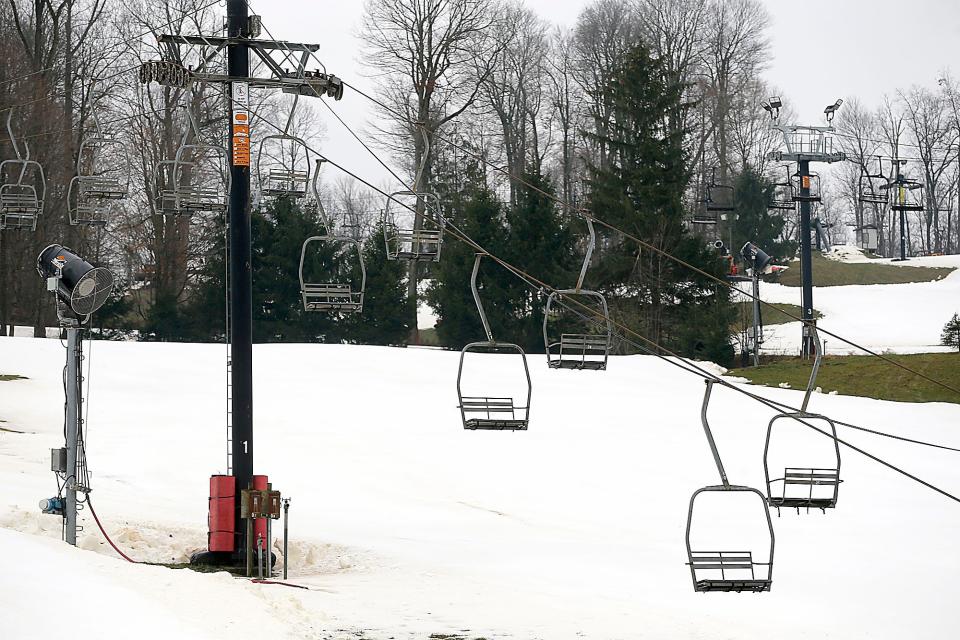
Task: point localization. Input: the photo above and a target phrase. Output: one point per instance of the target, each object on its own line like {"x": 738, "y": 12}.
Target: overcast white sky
{"x": 821, "y": 50}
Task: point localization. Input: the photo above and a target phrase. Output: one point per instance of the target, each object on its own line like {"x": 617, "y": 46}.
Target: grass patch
{"x": 832, "y": 273}
{"x": 867, "y": 376}
{"x": 8, "y": 377}
{"x": 775, "y": 313}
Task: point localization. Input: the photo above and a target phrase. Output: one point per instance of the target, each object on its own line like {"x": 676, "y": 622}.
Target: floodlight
{"x": 757, "y": 258}
{"x": 766, "y": 106}
{"x": 775, "y": 102}
{"x": 82, "y": 287}
{"x": 832, "y": 109}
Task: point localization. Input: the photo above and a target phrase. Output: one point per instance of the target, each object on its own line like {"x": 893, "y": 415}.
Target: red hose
{"x": 100, "y": 526}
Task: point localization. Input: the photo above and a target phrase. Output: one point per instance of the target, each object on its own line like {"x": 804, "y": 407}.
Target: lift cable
{"x": 664, "y": 253}
{"x": 540, "y": 286}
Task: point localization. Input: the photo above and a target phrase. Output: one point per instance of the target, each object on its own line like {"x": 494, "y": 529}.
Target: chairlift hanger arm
{"x": 476, "y": 296}
{"x": 709, "y": 433}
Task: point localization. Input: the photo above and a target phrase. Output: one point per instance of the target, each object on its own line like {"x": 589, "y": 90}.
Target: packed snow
{"x": 894, "y": 318}
{"x": 405, "y": 525}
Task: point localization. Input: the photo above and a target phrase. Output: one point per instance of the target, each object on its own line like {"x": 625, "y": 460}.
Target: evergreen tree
{"x": 386, "y": 307}
{"x": 951, "y": 332}
{"x": 639, "y": 187}
{"x": 478, "y": 214}
{"x": 541, "y": 244}
{"x": 756, "y": 223}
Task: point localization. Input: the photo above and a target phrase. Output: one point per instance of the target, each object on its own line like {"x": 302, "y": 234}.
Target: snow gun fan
{"x": 80, "y": 287}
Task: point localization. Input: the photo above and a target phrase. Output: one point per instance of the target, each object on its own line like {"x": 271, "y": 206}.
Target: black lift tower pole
{"x": 241, "y": 284}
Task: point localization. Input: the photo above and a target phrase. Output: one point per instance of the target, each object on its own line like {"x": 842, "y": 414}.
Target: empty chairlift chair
{"x": 23, "y": 186}
{"x": 198, "y": 178}
{"x": 907, "y": 194}
{"x": 576, "y": 323}
{"x": 781, "y": 197}
{"x": 413, "y": 226}
{"x": 101, "y": 176}
{"x": 804, "y": 486}
{"x": 727, "y": 570}
{"x": 283, "y": 163}
{"x": 872, "y": 189}
{"x": 718, "y": 200}
{"x": 343, "y": 288}
{"x": 492, "y": 413}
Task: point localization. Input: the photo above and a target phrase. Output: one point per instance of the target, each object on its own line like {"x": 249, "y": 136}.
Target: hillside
{"x": 405, "y": 525}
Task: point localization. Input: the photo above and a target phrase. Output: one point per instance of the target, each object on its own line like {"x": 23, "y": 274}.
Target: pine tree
{"x": 639, "y": 187}
{"x": 755, "y": 222}
{"x": 478, "y": 214}
{"x": 951, "y": 332}
{"x": 540, "y": 243}
{"x": 386, "y": 308}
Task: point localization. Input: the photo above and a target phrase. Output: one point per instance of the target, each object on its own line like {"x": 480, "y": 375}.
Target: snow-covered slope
{"x": 900, "y": 318}
{"x": 406, "y": 525}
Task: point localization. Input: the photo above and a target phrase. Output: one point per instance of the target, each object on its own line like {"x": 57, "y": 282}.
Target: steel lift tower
{"x": 286, "y": 67}
{"x": 805, "y": 144}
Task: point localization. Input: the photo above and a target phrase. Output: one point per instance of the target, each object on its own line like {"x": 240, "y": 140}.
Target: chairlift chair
{"x": 197, "y": 180}
{"x": 339, "y": 296}
{"x": 410, "y": 243}
{"x": 781, "y": 198}
{"x": 871, "y": 189}
{"x": 726, "y": 570}
{"x": 97, "y": 180}
{"x": 719, "y": 197}
{"x": 23, "y": 187}
{"x": 292, "y": 177}
{"x": 580, "y": 350}
{"x": 491, "y": 413}
{"x": 907, "y": 194}
{"x": 809, "y": 182}
{"x": 796, "y": 487}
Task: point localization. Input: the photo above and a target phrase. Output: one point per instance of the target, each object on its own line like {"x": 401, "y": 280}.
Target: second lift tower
{"x": 805, "y": 144}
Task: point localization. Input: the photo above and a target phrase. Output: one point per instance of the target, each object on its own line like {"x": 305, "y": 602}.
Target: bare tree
{"x": 604, "y": 32}
{"x": 930, "y": 125}
{"x": 514, "y": 90}
{"x": 736, "y": 51}
{"x": 431, "y": 58}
